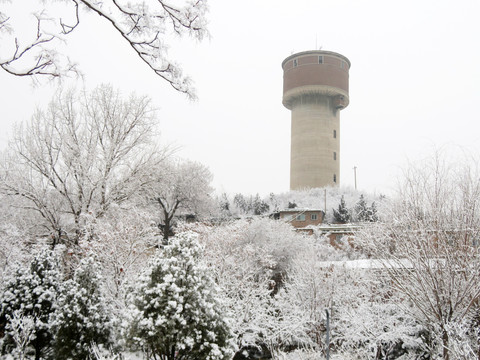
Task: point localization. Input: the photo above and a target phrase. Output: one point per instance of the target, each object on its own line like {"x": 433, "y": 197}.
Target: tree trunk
{"x": 166, "y": 229}
{"x": 446, "y": 355}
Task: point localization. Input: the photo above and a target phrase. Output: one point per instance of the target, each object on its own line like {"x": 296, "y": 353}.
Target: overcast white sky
{"x": 414, "y": 85}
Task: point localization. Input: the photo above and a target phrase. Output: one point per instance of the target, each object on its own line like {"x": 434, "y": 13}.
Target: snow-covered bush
{"x": 378, "y": 328}
{"x": 82, "y": 317}
{"x": 251, "y": 260}
{"x": 365, "y": 320}
{"x": 271, "y": 246}
{"x": 31, "y": 294}
{"x": 176, "y": 313}
{"x": 464, "y": 339}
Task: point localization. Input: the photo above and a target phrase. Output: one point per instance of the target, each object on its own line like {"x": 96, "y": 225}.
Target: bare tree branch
{"x": 145, "y": 27}
{"x": 429, "y": 244}
{"x": 81, "y": 156}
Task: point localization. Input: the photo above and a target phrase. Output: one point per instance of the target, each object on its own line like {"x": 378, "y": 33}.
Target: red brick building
{"x": 300, "y": 218}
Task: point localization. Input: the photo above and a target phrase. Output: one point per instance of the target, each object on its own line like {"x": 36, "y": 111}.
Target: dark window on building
{"x": 300, "y": 217}
{"x": 313, "y": 217}
{"x": 320, "y": 59}
{"x": 342, "y": 64}
{"x": 334, "y": 178}
{"x": 334, "y": 134}
{"x": 295, "y": 62}
{"x": 334, "y": 155}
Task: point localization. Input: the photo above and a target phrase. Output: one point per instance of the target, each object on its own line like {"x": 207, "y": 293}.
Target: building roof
{"x": 338, "y": 227}
{"x": 298, "y": 210}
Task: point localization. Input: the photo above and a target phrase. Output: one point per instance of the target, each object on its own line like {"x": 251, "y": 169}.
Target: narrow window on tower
{"x": 295, "y": 62}
{"x": 334, "y": 155}
{"x": 342, "y": 64}
{"x": 320, "y": 59}
{"x": 334, "y": 134}
{"x": 335, "y": 178}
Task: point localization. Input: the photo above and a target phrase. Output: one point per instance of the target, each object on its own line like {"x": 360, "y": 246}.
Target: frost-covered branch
{"x": 144, "y": 26}
{"x": 22, "y": 329}
{"x": 179, "y": 186}
{"x": 80, "y": 156}
{"x": 429, "y": 245}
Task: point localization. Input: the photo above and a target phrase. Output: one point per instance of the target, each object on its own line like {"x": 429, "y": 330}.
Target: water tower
{"x": 315, "y": 89}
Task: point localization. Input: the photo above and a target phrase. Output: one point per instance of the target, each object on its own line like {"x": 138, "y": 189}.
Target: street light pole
{"x": 355, "y": 176}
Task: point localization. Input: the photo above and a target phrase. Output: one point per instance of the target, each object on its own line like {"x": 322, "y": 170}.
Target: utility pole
{"x": 355, "y": 176}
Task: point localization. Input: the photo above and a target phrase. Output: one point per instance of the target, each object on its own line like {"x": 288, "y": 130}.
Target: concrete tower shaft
{"x": 315, "y": 89}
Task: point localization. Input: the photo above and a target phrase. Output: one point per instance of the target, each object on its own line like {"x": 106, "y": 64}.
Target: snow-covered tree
{"x": 82, "y": 317}
{"x": 372, "y": 213}
{"x": 251, "y": 205}
{"x": 260, "y": 206}
{"x": 32, "y": 293}
{"x": 241, "y": 203}
{"x": 13, "y": 242}
{"x": 429, "y": 245}
{"x": 251, "y": 260}
{"x": 179, "y": 187}
{"x": 176, "y": 311}
{"x": 224, "y": 203}
{"x": 365, "y": 321}
{"x": 326, "y": 198}
{"x": 361, "y": 209}
{"x": 122, "y": 242}
{"x": 342, "y": 215}
{"x": 78, "y": 157}
{"x": 30, "y": 48}
{"x": 365, "y": 213}
{"x": 273, "y": 202}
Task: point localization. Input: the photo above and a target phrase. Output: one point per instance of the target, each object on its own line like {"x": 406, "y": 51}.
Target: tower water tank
{"x": 315, "y": 89}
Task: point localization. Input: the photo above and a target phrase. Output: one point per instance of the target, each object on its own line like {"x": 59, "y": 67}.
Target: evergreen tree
{"x": 342, "y": 215}
{"x": 175, "y": 308}
{"x": 259, "y": 206}
{"x": 31, "y": 294}
{"x": 241, "y": 203}
{"x": 82, "y": 318}
{"x": 362, "y": 210}
{"x": 372, "y": 213}
{"x": 225, "y": 203}
{"x": 274, "y": 202}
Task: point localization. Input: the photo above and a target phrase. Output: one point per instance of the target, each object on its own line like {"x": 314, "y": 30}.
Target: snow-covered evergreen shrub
{"x": 21, "y": 328}
{"x": 365, "y": 213}
{"x": 372, "y": 214}
{"x": 176, "y": 314}
{"x": 82, "y": 317}
{"x": 31, "y": 293}
{"x": 342, "y": 215}
{"x": 361, "y": 209}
